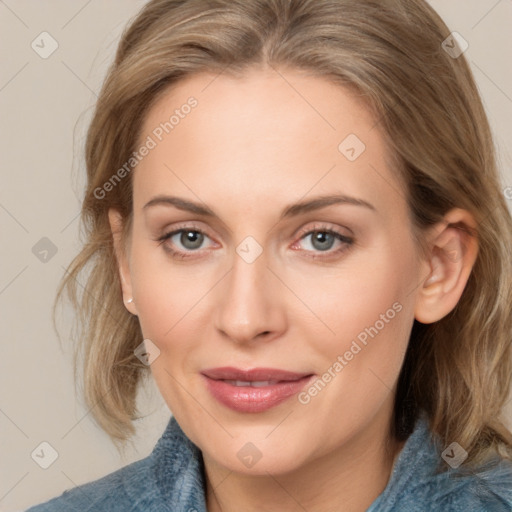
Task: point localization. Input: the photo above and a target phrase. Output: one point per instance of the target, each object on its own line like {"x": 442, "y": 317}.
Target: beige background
{"x": 45, "y": 106}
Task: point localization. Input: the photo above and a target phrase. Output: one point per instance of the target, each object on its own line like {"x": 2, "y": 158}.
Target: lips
{"x": 254, "y": 390}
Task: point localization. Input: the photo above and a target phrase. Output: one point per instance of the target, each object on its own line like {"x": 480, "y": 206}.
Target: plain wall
{"x": 45, "y": 106}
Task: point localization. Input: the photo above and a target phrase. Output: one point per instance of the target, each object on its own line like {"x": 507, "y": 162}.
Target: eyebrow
{"x": 290, "y": 211}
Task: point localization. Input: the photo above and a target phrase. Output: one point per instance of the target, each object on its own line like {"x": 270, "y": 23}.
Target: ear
{"x": 453, "y": 248}
{"x": 116, "y": 225}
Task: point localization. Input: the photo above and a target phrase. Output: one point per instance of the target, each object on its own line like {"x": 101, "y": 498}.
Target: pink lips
{"x": 254, "y": 390}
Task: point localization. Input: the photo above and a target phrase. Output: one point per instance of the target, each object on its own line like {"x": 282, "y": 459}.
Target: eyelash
{"x": 347, "y": 241}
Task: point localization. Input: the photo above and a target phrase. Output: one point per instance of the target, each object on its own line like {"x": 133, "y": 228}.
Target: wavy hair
{"x": 428, "y": 107}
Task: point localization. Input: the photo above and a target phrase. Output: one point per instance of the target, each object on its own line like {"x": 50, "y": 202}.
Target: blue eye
{"x": 191, "y": 239}
{"x": 322, "y": 241}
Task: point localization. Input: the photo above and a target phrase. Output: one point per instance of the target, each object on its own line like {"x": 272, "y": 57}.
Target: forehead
{"x": 269, "y": 132}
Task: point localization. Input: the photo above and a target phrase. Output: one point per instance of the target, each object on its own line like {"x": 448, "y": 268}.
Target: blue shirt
{"x": 171, "y": 479}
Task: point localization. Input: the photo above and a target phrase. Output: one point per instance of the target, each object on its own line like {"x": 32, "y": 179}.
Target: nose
{"x": 250, "y": 302}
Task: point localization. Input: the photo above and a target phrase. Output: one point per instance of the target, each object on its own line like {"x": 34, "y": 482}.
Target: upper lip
{"x": 253, "y": 374}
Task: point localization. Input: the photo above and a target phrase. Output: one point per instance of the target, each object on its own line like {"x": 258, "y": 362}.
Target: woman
{"x": 296, "y": 225}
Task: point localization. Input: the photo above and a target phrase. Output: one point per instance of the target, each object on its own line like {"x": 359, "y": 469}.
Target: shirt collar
{"x": 178, "y": 467}
{"x": 178, "y": 470}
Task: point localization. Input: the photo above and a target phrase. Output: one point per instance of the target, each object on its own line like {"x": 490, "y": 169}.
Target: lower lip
{"x": 251, "y": 399}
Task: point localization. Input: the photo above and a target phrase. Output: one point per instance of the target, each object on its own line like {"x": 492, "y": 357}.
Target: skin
{"x": 251, "y": 147}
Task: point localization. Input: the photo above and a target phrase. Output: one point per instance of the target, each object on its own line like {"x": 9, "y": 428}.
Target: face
{"x": 245, "y": 281}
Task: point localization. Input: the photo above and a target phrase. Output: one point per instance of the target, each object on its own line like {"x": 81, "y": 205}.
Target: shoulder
{"x": 489, "y": 489}
{"x": 418, "y": 485}
{"x": 171, "y": 476}
{"x": 128, "y": 488}
{"x": 485, "y": 490}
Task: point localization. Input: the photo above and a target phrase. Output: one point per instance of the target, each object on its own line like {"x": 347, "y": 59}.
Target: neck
{"x": 353, "y": 475}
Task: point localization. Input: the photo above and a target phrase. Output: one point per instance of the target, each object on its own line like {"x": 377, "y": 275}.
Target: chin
{"x": 254, "y": 455}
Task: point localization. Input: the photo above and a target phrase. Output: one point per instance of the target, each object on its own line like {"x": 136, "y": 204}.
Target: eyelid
{"x": 322, "y": 226}
{"x": 184, "y": 226}
{"x": 168, "y": 233}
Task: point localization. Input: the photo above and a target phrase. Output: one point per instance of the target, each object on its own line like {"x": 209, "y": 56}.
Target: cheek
{"x": 159, "y": 293}
{"x": 168, "y": 302}
{"x": 376, "y": 283}
{"x": 372, "y": 318}
{"x": 153, "y": 298}
{"x": 370, "y": 310}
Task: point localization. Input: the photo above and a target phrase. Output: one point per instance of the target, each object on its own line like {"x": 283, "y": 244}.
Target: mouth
{"x": 254, "y": 390}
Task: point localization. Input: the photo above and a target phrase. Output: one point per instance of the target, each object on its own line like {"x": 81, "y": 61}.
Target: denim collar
{"x": 178, "y": 470}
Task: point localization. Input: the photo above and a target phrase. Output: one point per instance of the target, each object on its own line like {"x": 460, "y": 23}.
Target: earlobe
{"x": 454, "y": 249}
{"x": 116, "y": 226}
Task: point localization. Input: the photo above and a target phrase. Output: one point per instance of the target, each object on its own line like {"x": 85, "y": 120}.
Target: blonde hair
{"x": 427, "y": 105}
